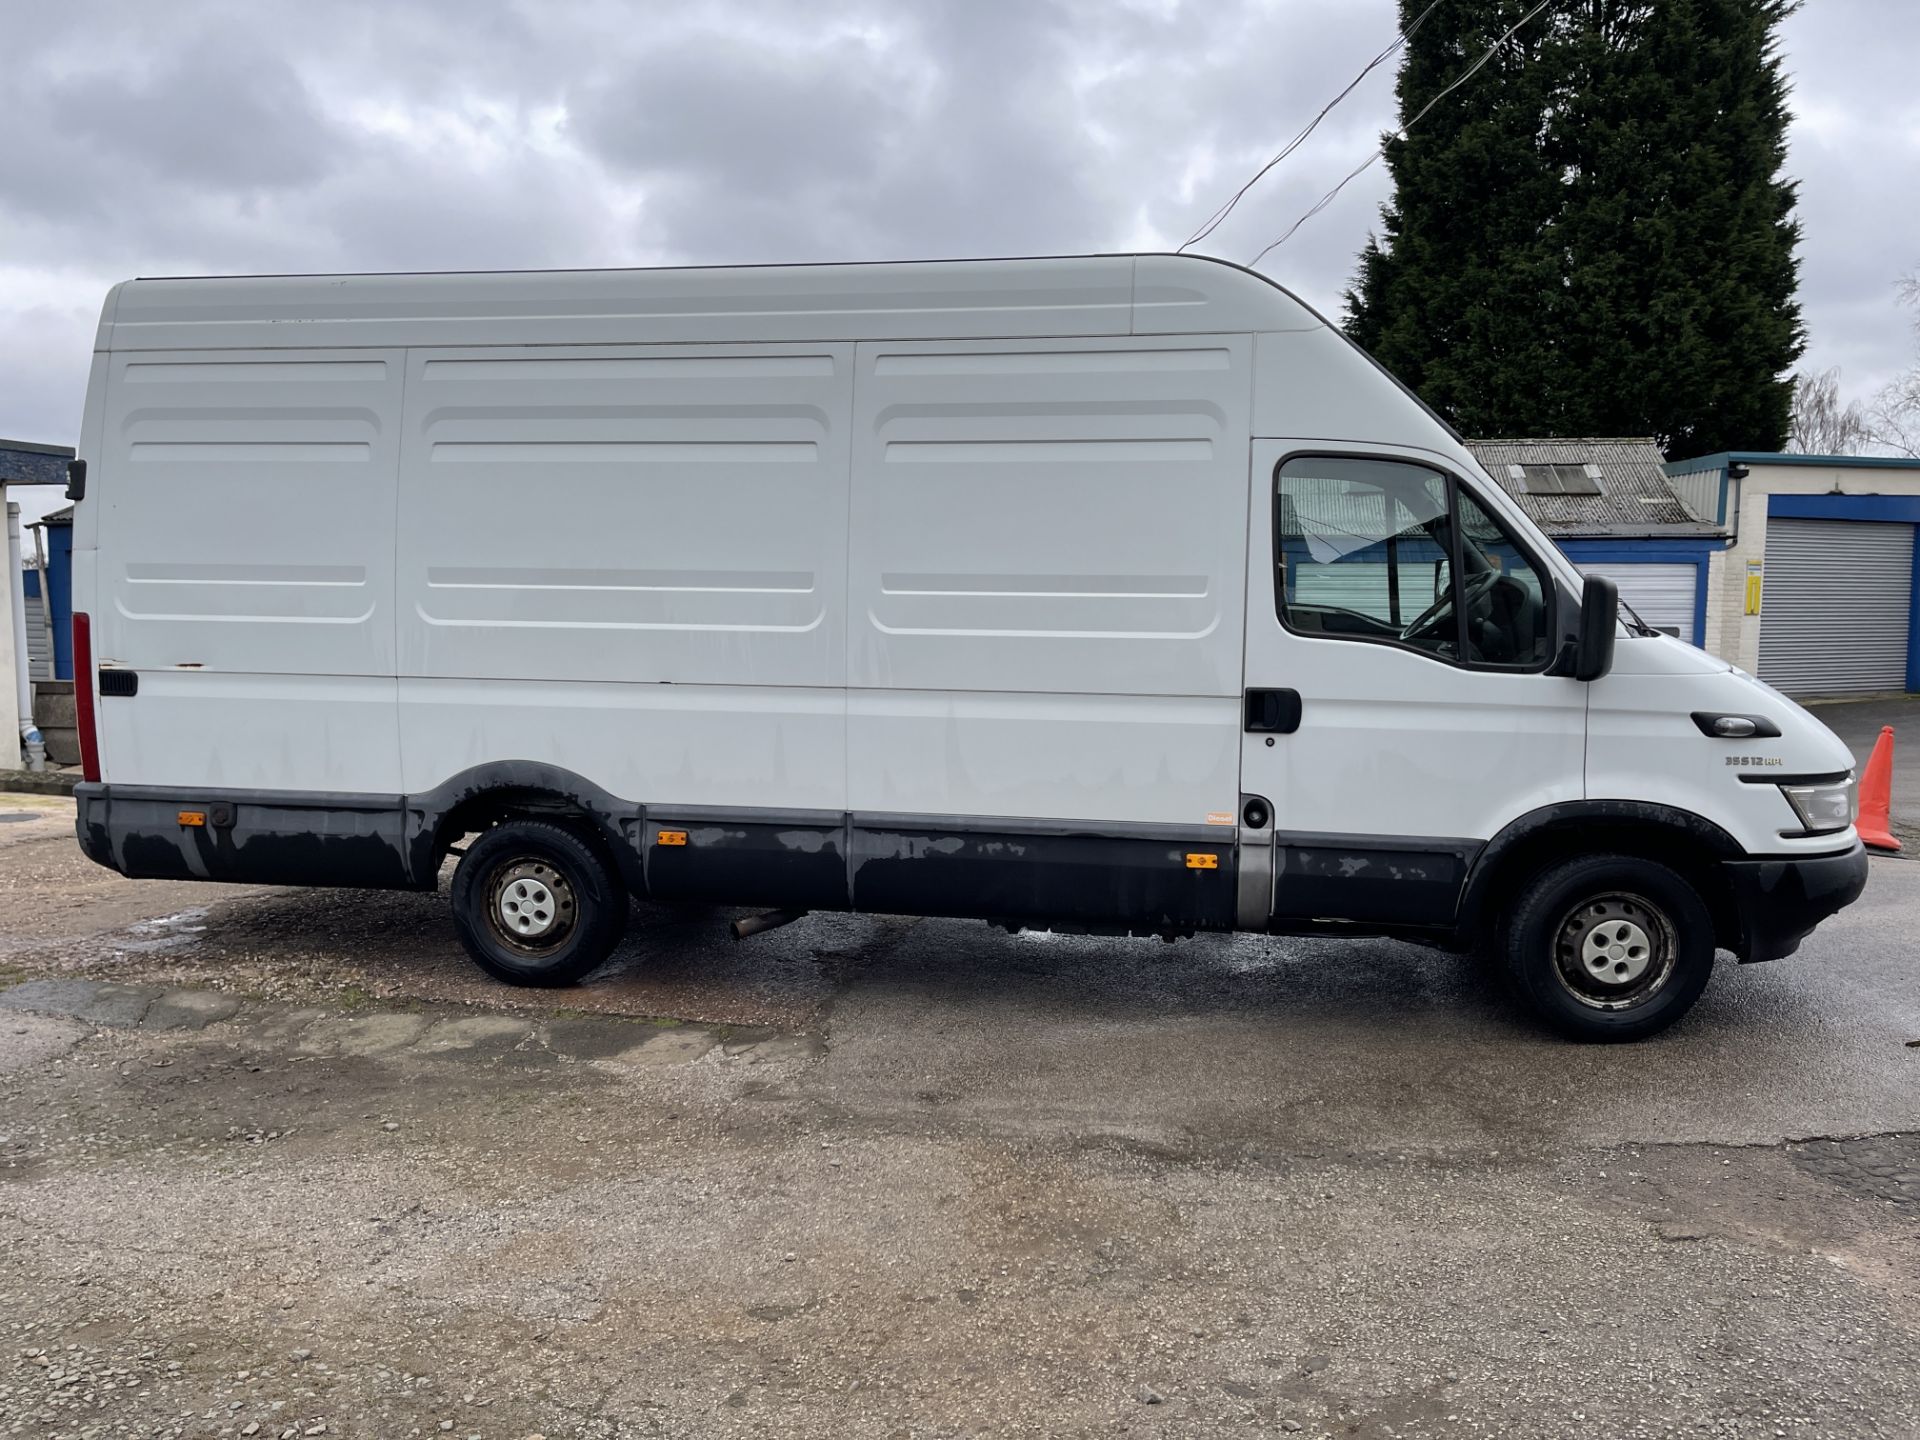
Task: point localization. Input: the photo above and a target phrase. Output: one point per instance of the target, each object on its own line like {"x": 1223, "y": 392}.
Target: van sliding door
{"x": 1044, "y": 622}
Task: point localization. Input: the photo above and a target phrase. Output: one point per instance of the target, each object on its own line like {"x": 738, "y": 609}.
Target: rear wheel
{"x": 537, "y": 904}
{"x": 1608, "y": 947}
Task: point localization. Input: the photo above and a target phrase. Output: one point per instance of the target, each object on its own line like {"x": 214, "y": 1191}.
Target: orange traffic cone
{"x": 1876, "y": 794}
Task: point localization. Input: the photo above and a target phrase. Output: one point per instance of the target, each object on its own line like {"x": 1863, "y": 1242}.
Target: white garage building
{"x": 1815, "y": 590}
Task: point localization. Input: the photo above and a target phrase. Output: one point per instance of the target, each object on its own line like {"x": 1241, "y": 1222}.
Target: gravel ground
{"x": 279, "y": 1160}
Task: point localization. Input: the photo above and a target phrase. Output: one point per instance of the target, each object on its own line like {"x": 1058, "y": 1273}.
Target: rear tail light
{"x": 83, "y": 683}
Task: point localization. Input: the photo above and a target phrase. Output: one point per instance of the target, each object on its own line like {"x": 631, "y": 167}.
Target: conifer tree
{"x": 1593, "y": 235}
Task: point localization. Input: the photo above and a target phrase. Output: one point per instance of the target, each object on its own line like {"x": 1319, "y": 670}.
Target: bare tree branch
{"x": 1820, "y": 423}
{"x": 1895, "y": 413}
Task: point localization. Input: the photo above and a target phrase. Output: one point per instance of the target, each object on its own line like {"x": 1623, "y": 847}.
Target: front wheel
{"x": 1608, "y": 947}
{"x": 535, "y": 904}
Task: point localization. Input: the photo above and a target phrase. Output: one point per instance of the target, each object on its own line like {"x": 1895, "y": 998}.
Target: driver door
{"x": 1415, "y": 738}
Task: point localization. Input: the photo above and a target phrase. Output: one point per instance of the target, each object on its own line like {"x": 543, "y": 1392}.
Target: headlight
{"x": 1823, "y": 808}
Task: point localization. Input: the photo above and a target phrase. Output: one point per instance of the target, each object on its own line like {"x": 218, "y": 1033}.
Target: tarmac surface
{"x": 286, "y": 1160}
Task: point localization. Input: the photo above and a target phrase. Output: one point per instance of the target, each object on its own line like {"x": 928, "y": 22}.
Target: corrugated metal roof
{"x": 1635, "y": 498}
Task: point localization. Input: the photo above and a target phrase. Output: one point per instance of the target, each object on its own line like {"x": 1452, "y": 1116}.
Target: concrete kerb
{"x": 39, "y": 782}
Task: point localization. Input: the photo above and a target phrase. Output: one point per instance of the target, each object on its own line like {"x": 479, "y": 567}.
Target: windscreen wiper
{"x": 1638, "y": 626}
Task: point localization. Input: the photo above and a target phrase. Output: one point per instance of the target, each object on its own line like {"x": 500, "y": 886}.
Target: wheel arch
{"x": 484, "y": 795}
{"x": 1688, "y": 843}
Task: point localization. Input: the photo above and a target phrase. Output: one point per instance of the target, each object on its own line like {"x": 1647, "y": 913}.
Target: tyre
{"x": 1608, "y": 947}
{"x": 537, "y": 904}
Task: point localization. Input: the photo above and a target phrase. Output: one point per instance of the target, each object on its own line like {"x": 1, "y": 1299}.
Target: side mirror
{"x": 1599, "y": 623}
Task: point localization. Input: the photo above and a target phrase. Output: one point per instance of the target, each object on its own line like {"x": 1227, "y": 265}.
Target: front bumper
{"x": 1779, "y": 902}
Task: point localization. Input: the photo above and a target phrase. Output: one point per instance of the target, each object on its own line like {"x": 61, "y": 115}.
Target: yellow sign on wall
{"x": 1753, "y": 587}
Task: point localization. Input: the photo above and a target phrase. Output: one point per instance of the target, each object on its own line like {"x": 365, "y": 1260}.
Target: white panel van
{"x": 1118, "y": 593}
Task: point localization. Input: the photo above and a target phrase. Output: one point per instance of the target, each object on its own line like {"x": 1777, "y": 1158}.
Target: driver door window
{"x": 1364, "y": 550}
{"x": 1507, "y": 612}
{"x": 1386, "y": 551}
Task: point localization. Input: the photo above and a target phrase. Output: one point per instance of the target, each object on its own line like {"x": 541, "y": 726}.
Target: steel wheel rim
{"x": 1615, "y": 951}
{"x": 531, "y": 906}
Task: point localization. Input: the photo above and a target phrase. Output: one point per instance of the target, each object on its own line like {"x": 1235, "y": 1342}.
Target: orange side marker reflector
{"x": 193, "y": 817}
{"x": 1200, "y": 861}
{"x": 672, "y": 837}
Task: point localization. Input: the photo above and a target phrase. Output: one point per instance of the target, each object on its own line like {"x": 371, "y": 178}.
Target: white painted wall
{"x": 1724, "y": 604}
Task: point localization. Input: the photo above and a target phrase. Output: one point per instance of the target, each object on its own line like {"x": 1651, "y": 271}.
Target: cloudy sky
{"x": 197, "y": 137}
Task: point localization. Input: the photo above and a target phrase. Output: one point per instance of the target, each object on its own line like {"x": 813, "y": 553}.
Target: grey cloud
{"x": 406, "y": 212}
{"x": 951, "y": 134}
{"x": 218, "y": 114}
{"x": 1855, "y": 148}
{"x": 764, "y": 116}
{"x": 204, "y": 136}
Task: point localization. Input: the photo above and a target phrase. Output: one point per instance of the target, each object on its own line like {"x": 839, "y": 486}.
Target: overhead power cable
{"x": 1401, "y": 134}
{"x": 1219, "y": 216}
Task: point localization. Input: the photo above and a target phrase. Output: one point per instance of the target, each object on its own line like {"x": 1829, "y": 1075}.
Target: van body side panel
{"x": 86, "y": 516}
{"x": 1045, "y": 577}
{"x": 659, "y": 515}
{"x": 1170, "y": 759}
{"x": 741, "y": 746}
{"x": 1315, "y": 384}
{"x": 743, "y": 304}
{"x": 629, "y": 562}
{"x": 1173, "y": 296}
{"x": 244, "y": 568}
{"x": 327, "y": 733}
{"x": 93, "y": 427}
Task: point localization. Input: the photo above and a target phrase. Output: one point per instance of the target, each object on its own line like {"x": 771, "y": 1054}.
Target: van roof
{"x": 1082, "y": 295}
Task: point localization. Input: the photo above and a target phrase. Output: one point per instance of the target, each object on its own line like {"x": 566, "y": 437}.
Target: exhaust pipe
{"x": 759, "y": 924}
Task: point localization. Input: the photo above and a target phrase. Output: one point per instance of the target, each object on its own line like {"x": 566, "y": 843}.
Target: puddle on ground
{"x": 170, "y": 932}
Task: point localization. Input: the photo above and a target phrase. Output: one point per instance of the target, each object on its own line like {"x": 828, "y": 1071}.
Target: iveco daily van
{"x": 1118, "y": 593}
